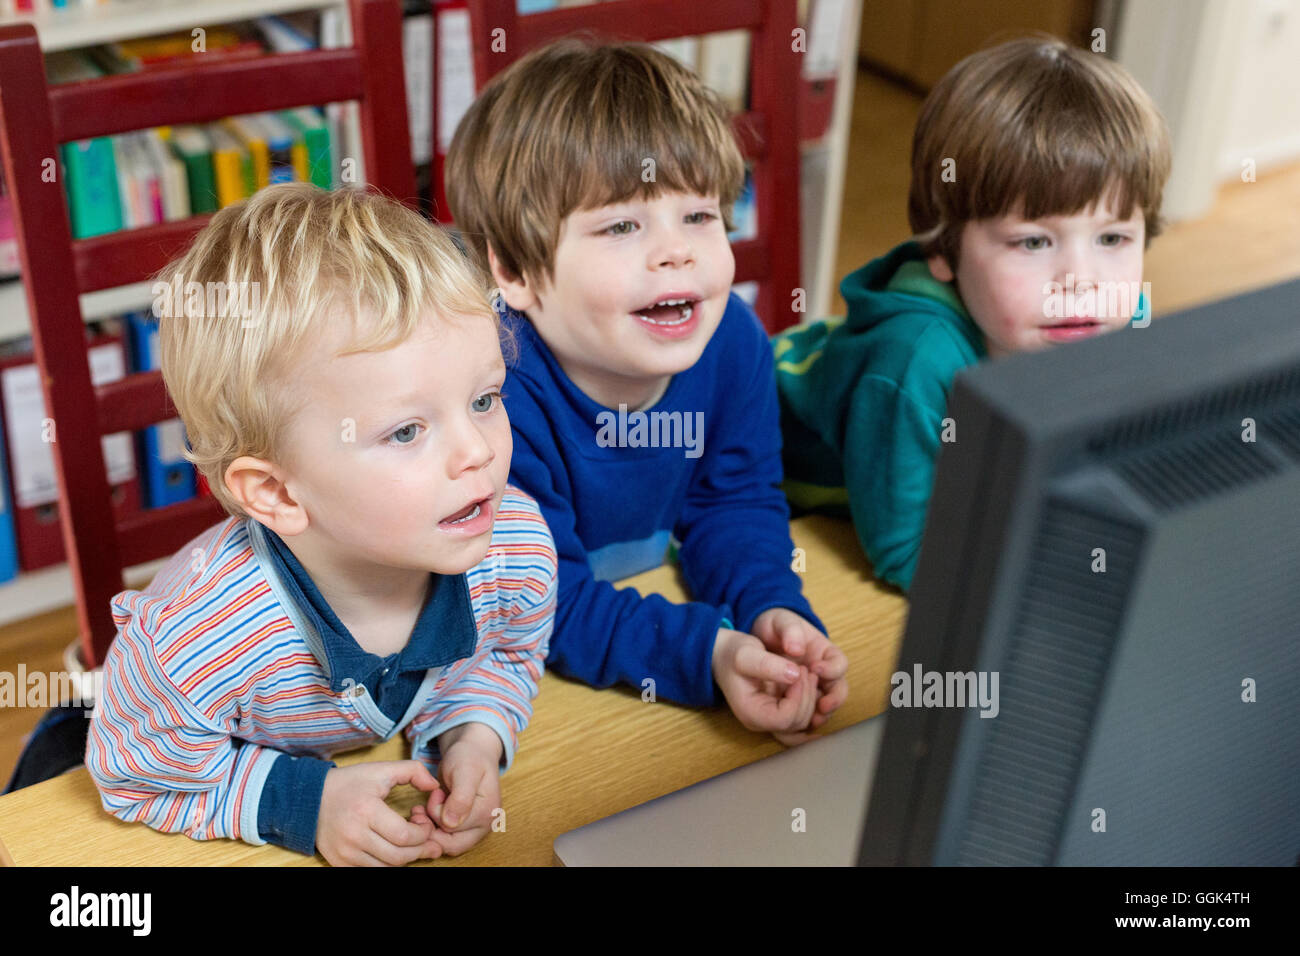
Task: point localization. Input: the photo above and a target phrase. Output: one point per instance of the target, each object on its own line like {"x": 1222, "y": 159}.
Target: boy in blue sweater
{"x": 595, "y": 183}
{"x": 1037, "y": 171}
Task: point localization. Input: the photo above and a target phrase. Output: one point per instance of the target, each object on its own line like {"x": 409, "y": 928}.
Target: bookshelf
{"x": 823, "y": 164}
{"x": 79, "y": 26}
{"x": 15, "y": 322}
{"x": 50, "y": 588}
{"x": 74, "y": 27}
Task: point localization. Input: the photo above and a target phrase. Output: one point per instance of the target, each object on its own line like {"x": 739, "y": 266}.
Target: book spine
{"x": 228, "y": 169}
{"x": 94, "y": 200}
{"x": 200, "y": 179}
{"x": 168, "y": 475}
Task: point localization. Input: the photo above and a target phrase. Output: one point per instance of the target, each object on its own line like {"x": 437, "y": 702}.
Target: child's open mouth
{"x": 473, "y": 519}
{"x": 672, "y": 316}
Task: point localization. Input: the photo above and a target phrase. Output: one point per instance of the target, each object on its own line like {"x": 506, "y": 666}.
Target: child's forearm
{"x": 606, "y": 635}
{"x": 182, "y": 775}
{"x": 740, "y": 555}
{"x": 474, "y": 734}
{"x": 207, "y": 799}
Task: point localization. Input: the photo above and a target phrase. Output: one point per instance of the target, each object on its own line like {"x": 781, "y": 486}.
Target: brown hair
{"x": 571, "y": 126}
{"x": 1034, "y": 127}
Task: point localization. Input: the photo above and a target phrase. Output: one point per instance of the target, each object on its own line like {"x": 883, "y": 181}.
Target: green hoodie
{"x": 863, "y": 401}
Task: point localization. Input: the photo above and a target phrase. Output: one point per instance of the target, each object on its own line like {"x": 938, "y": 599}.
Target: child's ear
{"x": 940, "y": 269}
{"x": 516, "y": 290}
{"x": 258, "y": 487}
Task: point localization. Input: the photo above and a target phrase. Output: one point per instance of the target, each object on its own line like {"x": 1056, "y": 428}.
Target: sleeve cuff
{"x": 799, "y": 606}
{"x": 289, "y": 809}
{"x": 428, "y": 740}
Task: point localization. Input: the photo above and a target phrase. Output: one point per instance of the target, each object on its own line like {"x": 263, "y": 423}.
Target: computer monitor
{"x": 1115, "y": 534}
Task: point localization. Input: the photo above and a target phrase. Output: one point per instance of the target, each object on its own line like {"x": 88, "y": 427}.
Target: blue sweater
{"x": 613, "y": 499}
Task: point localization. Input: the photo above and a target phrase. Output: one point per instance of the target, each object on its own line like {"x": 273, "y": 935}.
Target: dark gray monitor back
{"x": 1148, "y": 713}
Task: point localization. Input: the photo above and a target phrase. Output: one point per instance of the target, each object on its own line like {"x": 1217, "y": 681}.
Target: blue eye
{"x": 699, "y": 218}
{"x": 408, "y": 430}
{"x": 1119, "y": 239}
{"x": 485, "y": 402}
{"x": 1032, "y": 243}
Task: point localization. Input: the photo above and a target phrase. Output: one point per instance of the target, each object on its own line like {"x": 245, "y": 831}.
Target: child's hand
{"x": 471, "y": 758}
{"x": 764, "y": 690}
{"x": 785, "y": 632}
{"x": 355, "y": 827}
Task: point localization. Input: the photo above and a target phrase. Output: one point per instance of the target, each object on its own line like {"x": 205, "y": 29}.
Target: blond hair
{"x": 575, "y": 125}
{"x": 282, "y": 263}
{"x": 1037, "y": 128}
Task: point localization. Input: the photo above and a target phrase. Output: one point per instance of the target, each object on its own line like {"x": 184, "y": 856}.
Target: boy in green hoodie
{"x": 1037, "y": 172}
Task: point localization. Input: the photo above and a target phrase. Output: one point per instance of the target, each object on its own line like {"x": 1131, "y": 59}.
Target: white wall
{"x": 1226, "y": 75}
{"x": 1263, "y": 121}
{"x": 1182, "y": 52}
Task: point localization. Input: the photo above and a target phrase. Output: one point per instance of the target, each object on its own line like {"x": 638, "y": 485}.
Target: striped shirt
{"x": 215, "y": 671}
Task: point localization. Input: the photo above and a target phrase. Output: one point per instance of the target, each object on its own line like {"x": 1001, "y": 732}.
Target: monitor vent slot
{"x": 1049, "y": 683}
{"x": 1152, "y": 425}
{"x": 1180, "y": 473}
{"x": 1283, "y": 427}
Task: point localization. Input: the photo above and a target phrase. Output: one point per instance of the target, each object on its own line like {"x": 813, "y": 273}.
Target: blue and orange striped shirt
{"x": 216, "y": 671}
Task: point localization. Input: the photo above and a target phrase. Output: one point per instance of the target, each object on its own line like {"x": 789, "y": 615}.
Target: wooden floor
{"x": 37, "y": 643}
{"x": 1250, "y": 238}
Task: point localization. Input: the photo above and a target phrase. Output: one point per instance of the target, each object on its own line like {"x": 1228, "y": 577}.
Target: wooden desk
{"x": 585, "y": 755}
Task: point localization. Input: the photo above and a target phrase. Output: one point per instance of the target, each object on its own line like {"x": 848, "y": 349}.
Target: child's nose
{"x": 470, "y": 450}
{"x": 674, "y": 250}
{"x": 1075, "y": 266}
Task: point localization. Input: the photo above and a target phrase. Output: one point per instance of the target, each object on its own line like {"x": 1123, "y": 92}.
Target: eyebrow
{"x": 612, "y": 210}
{"x": 491, "y": 370}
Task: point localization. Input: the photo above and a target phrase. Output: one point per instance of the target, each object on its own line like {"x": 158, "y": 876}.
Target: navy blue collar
{"x": 445, "y": 631}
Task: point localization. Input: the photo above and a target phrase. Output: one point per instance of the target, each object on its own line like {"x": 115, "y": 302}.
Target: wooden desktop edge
{"x": 863, "y": 617}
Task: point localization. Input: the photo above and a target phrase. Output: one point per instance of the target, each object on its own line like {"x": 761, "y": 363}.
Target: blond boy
{"x": 377, "y": 573}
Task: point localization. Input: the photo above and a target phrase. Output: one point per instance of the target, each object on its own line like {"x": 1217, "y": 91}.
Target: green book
{"x": 89, "y": 171}
{"x": 311, "y": 126}
{"x": 90, "y": 175}
{"x": 249, "y": 172}
{"x": 192, "y": 146}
